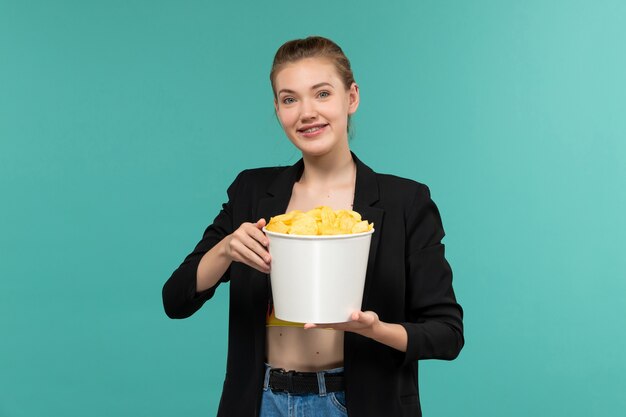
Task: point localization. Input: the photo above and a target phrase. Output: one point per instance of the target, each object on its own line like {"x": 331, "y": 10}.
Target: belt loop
{"x": 266, "y": 380}
{"x": 321, "y": 384}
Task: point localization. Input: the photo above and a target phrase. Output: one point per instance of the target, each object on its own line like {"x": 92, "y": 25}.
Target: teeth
{"x": 313, "y": 129}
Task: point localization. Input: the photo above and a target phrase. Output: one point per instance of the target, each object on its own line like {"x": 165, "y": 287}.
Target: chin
{"x": 316, "y": 147}
{"x": 314, "y": 150}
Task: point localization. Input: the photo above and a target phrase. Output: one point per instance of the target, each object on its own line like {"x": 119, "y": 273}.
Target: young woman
{"x": 365, "y": 367}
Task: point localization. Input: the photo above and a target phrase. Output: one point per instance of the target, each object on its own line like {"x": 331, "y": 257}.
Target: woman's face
{"x": 313, "y": 105}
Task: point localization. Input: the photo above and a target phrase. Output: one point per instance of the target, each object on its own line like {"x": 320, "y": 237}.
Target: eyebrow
{"x": 318, "y": 85}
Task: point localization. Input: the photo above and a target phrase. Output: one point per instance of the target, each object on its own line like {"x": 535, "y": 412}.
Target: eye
{"x": 323, "y": 94}
{"x": 288, "y": 100}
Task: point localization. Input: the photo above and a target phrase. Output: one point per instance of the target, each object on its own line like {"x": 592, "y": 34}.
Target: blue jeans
{"x": 283, "y": 404}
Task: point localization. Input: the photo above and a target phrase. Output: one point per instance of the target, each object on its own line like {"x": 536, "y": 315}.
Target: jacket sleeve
{"x": 180, "y": 298}
{"x": 434, "y": 318}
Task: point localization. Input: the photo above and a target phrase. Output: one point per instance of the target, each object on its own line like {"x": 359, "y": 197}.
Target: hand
{"x": 248, "y": 245}
{"x": 363, "y": 323}
{"x": 369, "y": 325}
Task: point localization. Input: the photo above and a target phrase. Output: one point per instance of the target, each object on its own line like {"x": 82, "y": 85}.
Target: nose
{"x": 307, "y": 111}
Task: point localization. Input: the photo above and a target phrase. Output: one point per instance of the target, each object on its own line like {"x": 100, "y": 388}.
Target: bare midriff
{"x": 306, "y": 350}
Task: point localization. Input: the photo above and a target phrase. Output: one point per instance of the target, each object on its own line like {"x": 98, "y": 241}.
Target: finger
{"x": 261, "y": 223}
{"x": 256, "y": 246}
{"x": 326, "y": 326}
{"x": 258, "y": 265}
{"x": 367, "y": 318}
{"x": 243, "y": 253}
{"x": 255, "y": 261}
{"x": 256, "y": 233}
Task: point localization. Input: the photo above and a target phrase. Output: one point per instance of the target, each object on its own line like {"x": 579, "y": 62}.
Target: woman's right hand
{"x": 248, "y": 245}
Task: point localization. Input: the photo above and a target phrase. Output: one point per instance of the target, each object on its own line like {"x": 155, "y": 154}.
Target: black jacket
{"x": 408, "y": 282}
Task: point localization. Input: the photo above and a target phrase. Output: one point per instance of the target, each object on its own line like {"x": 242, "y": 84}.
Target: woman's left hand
{"x": 367, "y": 323}
{"x": 362, "y": 322}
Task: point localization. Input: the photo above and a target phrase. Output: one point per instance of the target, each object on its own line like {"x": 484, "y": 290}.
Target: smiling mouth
{"x": 312, "y": 129}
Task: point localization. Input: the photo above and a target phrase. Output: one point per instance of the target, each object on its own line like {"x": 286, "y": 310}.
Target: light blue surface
{"x": 122, "y": 123}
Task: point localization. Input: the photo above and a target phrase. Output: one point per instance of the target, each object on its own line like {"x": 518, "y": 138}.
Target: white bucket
{"x": 318, "y": 279}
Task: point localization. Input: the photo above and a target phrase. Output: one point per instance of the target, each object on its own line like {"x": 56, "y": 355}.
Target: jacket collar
{"x": 366, "y": 187}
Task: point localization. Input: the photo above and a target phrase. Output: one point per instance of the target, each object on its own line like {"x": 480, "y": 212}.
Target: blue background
{"x": 113, "y": 115}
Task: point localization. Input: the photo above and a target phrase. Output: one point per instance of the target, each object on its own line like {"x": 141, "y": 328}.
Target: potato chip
{"x": 321, "y": 220}
{"x": 360, "y": 227}
{"x": 304, "y": 225}
{"x": 278, "y": 227}
{"x": 316, "y": 212}
{"x": 346, "y": 222}
{"x": 287, "y": 217}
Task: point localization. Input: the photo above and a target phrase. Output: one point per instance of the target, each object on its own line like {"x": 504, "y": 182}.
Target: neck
{"x": 336, "y": 167}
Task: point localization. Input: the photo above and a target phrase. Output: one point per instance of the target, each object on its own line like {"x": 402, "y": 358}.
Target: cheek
{"x": 339, "y": 115}
{"x": 286, "y": 117}
{"x": 338, "y": 110}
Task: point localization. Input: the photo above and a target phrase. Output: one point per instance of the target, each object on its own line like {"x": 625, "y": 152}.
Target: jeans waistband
{"x": 293, "y": 382}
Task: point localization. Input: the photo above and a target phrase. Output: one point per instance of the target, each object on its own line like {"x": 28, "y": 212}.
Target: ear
{"x": 353, "y": 96}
